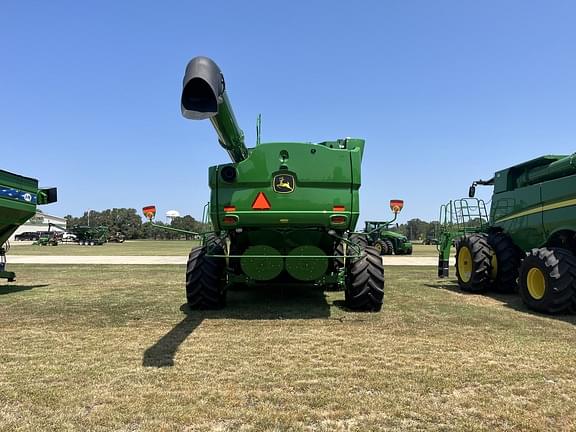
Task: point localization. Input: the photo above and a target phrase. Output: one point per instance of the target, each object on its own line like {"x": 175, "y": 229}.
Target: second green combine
{"x": 527, "y": 243}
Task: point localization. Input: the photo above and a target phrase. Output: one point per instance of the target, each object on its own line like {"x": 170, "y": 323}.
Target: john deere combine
{"x": 528, "y": 242}
{"x": 282, "y": 212}
{"x": 19, "y": 197}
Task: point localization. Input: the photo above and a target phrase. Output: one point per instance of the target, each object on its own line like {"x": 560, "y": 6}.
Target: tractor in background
{"x": 527, "y": 242}
{"x": 386, "y": 241}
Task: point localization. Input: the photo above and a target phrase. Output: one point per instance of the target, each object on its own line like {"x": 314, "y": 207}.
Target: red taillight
{"x": 338, "y": 208}
{"x": 338, "y": 220}
{"x": 230, "y": 220}
{"x": 261, "y": 202}
{"x": 228, "y": 209}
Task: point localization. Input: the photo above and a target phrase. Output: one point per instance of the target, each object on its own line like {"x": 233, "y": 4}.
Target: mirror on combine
{"x": 472, "y": 191}
{"x": 149, "y": 212}
{"x": 396, "y": 205}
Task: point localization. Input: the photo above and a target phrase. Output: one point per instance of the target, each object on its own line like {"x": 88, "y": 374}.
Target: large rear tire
{"x": 473, "y": 263}
{"x": 205, "y": 277}
{"x": 548, "y": 280}
{"x": 389, "y": 247}
{"x": 505, "y": 262}
{"x": 365, "y": 282}
{"x": 381, "y": 247}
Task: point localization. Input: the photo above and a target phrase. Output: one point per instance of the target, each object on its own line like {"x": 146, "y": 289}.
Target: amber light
{"x": 338, "y": 208}
{"x": 229, "y": 209}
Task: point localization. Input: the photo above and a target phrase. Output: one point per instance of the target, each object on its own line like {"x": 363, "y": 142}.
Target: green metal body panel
{"x": 19, "y": 197}
{"x": 324, "y": 177}
{"x": 535, "y": 200}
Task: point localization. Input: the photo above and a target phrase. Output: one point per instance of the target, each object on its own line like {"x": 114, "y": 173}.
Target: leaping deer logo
{"x": 284, "y": 183}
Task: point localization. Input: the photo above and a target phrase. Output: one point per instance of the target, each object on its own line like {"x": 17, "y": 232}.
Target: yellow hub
{"x": 378, "y": 247}
{"x": 493, "y": 267}
{"x": 464, "y": 264}
{"x": 536, "y": 283}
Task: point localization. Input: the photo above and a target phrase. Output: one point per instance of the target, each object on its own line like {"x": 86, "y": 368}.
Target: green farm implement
{"x": 527, "y": 243}
{"x": 19, "y": 197}
{"x": 387, "y": 242}
{"x": 282, "y": 212}
{"x": 90, "y": 236}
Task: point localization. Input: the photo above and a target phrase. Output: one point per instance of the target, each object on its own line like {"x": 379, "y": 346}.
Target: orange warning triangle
{"x": 261, "y": 202}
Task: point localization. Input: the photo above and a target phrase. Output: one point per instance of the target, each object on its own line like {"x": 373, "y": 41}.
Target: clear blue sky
{"x": 444, "y": 92}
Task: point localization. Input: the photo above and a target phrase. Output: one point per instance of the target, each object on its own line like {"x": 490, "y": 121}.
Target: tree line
{"x": 417, "y": 229}
{"x": 129, "y": 223}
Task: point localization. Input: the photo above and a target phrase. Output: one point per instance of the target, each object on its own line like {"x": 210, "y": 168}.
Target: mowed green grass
{"x": 113, "y": 348}
{"x": 128, "y": 248}
{"x": 143, "y": 248}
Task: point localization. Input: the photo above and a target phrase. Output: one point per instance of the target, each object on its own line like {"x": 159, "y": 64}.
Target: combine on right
{"x": 528, "y": 242}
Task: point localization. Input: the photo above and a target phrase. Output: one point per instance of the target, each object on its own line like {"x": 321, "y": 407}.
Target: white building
{"x": 40, "y": 222}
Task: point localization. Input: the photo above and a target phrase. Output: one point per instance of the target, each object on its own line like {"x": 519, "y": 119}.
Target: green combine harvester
{"x": 387, "y": 242}
{"x": 282, "y": 212}
{"x": 528, "y": 241}
{"x": 19, "y": 197}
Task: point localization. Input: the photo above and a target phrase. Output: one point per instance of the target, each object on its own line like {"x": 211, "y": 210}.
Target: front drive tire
{"x": 473, "y": 263}
{"x": 205, "y": 278}
{"x": 547, "y": 280}
{"x": 365, "y": 282}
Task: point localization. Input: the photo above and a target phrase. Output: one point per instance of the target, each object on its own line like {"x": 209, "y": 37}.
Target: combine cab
{"x": 528, "y": 242}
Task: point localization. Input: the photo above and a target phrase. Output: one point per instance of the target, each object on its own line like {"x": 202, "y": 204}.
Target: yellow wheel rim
{"x": 378, "y": 247}
{"x": 536, "y": 283}
{"x": 465, "y": 264}
{"x": 493, "y": 267}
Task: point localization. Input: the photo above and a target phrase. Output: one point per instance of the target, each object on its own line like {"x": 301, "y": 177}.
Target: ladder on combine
{"x": 458, "y": 218}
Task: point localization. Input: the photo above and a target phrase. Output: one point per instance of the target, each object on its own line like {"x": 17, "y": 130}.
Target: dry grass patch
{"x": 110, "y": 347}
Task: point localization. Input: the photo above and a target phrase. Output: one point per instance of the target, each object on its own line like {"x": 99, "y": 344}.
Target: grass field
{"x": 141, "y": 247}
{"x": 112, "y": 347}
{"x": 128, "y": 248}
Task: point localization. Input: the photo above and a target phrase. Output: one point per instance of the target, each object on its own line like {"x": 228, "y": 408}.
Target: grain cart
{"x": 19, "y": 197}
{"x": 528, "y": 242}
{"x": 383, "y": 239}
{"x": 90, "y": 236}
{"x": 281, "y": 212}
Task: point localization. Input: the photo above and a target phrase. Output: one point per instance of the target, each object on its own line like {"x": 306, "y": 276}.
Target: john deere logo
{"x": 283, "y": 183}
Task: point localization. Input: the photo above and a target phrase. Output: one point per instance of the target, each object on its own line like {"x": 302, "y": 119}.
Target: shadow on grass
{"x": 246, "y": 303}
{"x": 509, "y": 300}
{"x": 11, "y": 289}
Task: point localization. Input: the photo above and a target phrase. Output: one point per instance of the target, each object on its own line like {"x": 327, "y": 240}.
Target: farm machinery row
{"x": 80, "y": 234}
